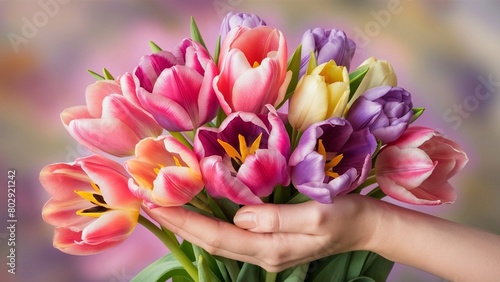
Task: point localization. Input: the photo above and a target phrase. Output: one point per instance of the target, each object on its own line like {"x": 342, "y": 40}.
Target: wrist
{"x": 373, "y": 216}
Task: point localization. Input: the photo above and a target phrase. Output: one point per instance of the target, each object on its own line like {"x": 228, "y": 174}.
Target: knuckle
{"x": 213, "y": 243}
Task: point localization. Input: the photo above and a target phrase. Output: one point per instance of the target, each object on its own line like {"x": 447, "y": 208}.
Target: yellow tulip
{"x": 380, "y": 73}
{"x": 321, "y": 94}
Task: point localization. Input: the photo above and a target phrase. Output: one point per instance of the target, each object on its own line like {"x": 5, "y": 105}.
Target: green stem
{"x": 279, "y": 195}
{"x": 295, "y": 138}
{"x": 172, "y": 246}
{"x": 376, "y": 193}
{"x": 369, "y": 181}
{"x": 221, "y": 115}
{"x": 182, "y": 139}
{"x": 202, "y": 205}
{"x": 271, "y": 276}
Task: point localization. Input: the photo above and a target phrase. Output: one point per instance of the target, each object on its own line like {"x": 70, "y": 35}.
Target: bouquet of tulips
{"x": 246, "y": 126}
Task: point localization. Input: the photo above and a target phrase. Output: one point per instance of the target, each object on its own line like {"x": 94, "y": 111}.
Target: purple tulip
{"x": 327, "y": 44}
{"x": 175, "y": 87}
{"x": 245, "y": 158}
{"x": 234, "y": 20}
{"x": 331, "y": 159}
{"x": 385, "y": 110}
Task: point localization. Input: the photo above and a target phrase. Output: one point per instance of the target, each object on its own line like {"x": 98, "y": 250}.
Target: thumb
{"x": 270, "y": 218}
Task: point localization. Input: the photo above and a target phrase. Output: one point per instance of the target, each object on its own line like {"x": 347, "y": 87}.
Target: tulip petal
{"x": 232, "y": 68}
{"x": 95, "y": 94}
{"x": 278, "y": 136}
{"x": 317, "y": 109}
{"x": 104, "y": 135}
{"x": 220, "y": 183}
{"x": 442, "y": 193}
{"x": 408, "y": 167}
{"x": 73, "y": 113}
{"x": 310, "y": 169}
{"x": 175, "y": 186}
{"x": 63, "y": 213}
{"x": 207, "y": 99}
{"x": 128, "y": 85}
{"x": 115, "y": 225}
{"x": 205, "y": 143}
{"x": 61, "y": 179}
{"x": 118, "y": 107}
{"x": 257, "y": 87}
{"x": 169, "y": 114}
{"x": 70, "y": 242}
{"x": 150, "y": 67}
{"x": 262, "y": 171}
{"x": 181, "y": 85}
{"x": 112, "y": 181}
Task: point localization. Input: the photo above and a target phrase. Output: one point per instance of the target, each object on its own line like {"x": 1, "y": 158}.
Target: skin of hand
{"x": 276, "y": 237}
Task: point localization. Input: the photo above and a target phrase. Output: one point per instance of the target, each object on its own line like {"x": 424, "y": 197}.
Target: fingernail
{"x": 245, "y": 220}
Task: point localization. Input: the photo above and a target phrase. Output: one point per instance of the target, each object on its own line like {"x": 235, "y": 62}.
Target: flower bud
{"x": 320, "y": 95}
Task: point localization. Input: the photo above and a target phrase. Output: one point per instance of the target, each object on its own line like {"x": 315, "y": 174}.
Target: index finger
{"x": 225, "y": 239}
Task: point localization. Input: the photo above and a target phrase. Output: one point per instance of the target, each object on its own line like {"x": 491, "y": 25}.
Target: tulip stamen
{"x": 96, "y": 187}
{"x": 255, "y": 64}
{"x": 177, "y": 162}
{"x": 160, "y": 166}
{"x": 329, "y": 164}
{"x": 95, "y": 198}
{"x": 245, "y": 151}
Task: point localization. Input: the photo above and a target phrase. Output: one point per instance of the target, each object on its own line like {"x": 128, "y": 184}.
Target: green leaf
{"x": 203, "y": 271}
{"x": 221, "y": 116}
{"x": 299, "y": 198}
{"x": 107, "y": 74}
{"x": 162, "y": 269}
{"x": 417, "y": 112}
{"x": 217, "y": 51}
{"x": 331, "y": 269}
{"x": 362, "y": 279}
{"x": 231, "y": 265}
{"x": 209, "y": 263}
{"x": 292, "y": 274}
{"x": 294, "y": 66}
{"x": 379, "y": 268}
{"x": 355, "y": 79}
{"x": 195, "y": 33}
{"x": 377, "y": 150}
{"x": 154, "y": 48}
{"x": 181, "y": 279}
{"x": 223, "y": 271}
{"x": 251, "y": 272}
{"x": 187, "y": 248}
{"x": 313, "y": 63}
{"x": 227, "y": 207}
{"x": 96, "y": 75}
{"x": 356, "y": 264}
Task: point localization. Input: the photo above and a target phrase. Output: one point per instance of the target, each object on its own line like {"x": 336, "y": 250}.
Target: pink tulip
{"x": 165, "y": 172}
{"x": 109, "y": 122}
{"x": 253, "y": 70}
{"x": 91, "y": 206}
{"x": 175, "y": 87}
{"x": 245, "y": 158}
{"x": 416, "y": 168}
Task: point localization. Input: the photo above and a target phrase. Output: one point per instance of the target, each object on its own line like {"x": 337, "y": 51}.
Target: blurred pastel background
{"x": 444, "y": 53}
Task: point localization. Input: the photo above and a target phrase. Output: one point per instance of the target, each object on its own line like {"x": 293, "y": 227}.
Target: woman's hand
{"x": 276, "y": 237}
